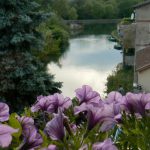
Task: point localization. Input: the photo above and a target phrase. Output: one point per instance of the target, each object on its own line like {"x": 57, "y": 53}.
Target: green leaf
{"x": 13, "y": 122}
{"x": 45, "y": 139}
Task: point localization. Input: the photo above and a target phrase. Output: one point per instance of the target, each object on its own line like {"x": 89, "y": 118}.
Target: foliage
{"x": 85, "y": 122}
{"x": 126, "y": 21}
{"x": 66, "y": 11}
{"x": 95, "y": 9}
{"x": 56, "y": 37}
{"x": 54, "y": 30}
{"x": 126, "y": 7}
{"x": 123, "y": 77}
{"x": 22, "y": 75}
{"x": 90, "y": 9}
{"x": 61, "y": 8}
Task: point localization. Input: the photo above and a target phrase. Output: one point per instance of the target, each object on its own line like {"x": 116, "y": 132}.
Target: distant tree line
{"x": 91, "y": 9}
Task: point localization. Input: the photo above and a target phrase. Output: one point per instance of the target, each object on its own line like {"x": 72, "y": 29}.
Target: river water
{"x": 89, "y": 60}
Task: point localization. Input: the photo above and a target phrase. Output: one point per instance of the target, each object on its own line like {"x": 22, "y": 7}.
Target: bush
{"x": 123, "y": 77}
{"x": 126, "y": 21}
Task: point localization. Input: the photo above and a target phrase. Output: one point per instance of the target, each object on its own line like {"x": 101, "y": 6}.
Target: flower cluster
{"x": 86, "y": 122}
{"x": 51, "y": 103}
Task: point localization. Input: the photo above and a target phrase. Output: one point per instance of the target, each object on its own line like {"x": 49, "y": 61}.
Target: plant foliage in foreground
{"x": 86, "y": 122}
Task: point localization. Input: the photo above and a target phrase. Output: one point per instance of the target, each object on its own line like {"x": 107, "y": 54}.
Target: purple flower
{"x": 106, "y": 145}
{"x": 5, "y": 135}
{"x": 25, "y": 121}
{"x": 137, "y": 103}
{"x": 42, "y": 103}
{"x": 61, "y": 103}
{"x": 94, "y": 116}
{"x": 107, "y": 115}
{"x": 87, "y": 95}
{"x": 4, "y": 112}
{"x": 111, "y": 115}
{"x": 52, "y": 103}
{"x": 55, "y": 127}
{"x": 32, "y": 139}
{"x": 114, "y": 97}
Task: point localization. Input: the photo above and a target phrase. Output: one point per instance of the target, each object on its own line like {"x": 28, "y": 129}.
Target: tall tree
{"x": 22, "y": 76}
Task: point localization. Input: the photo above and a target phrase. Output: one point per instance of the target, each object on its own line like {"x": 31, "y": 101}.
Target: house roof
{"x": 143, "y": 59}
{"x": 147, "y": 2}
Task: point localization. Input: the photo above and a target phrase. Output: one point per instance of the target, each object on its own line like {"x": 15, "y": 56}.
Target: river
{"x": 89, "y": 60}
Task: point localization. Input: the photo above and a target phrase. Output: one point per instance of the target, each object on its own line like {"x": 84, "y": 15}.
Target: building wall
{"x": 144, "y": 79}
{"x": 142, "y": 35}
{"x": 143, "y": 13}
{"x": 142, "y": 19}
{"x": 142, "y": 40}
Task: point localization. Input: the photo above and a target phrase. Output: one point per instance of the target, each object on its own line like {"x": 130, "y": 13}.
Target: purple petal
{"x": 114, "y": 97}
{"x": 4, "y": 129}
{"x": 135, "y": 103}
{"x": 106, "y": 145}
{"x": 147, "y": 107}
{"x": 81, "y": 92}
{"x": 26, "y": 120}
{"x": 4, "y": 112}
{"x": 81, "y": 108}
{"x": 94, "y": 116}
{"x": 67, "y": 103}
{"x": 107, "y": 125}
{"x": 5, "y": 140}
{"x": 146, "y": 98}
{"x": 31, "y": 137}
{"x": 52, "y": 147}
{"x": 55, "y": 128}
{"x": 61, "y": 102}
{"x": 5, "y": 135}
{"x": 87, "y": 95}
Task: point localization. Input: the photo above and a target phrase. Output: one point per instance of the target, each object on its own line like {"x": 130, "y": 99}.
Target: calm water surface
{"x": 89, "y": 60}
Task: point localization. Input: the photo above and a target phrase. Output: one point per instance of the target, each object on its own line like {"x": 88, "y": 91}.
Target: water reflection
{"x": 90, "y": 59}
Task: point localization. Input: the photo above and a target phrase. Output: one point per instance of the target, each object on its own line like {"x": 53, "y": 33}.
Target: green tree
{"x": 126, "y": 7}
{"x": 22, "y": 75}
{"x": 56, "y": 40}
{"x": 64, "y": 9}
{"x": 97, "y": 9}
